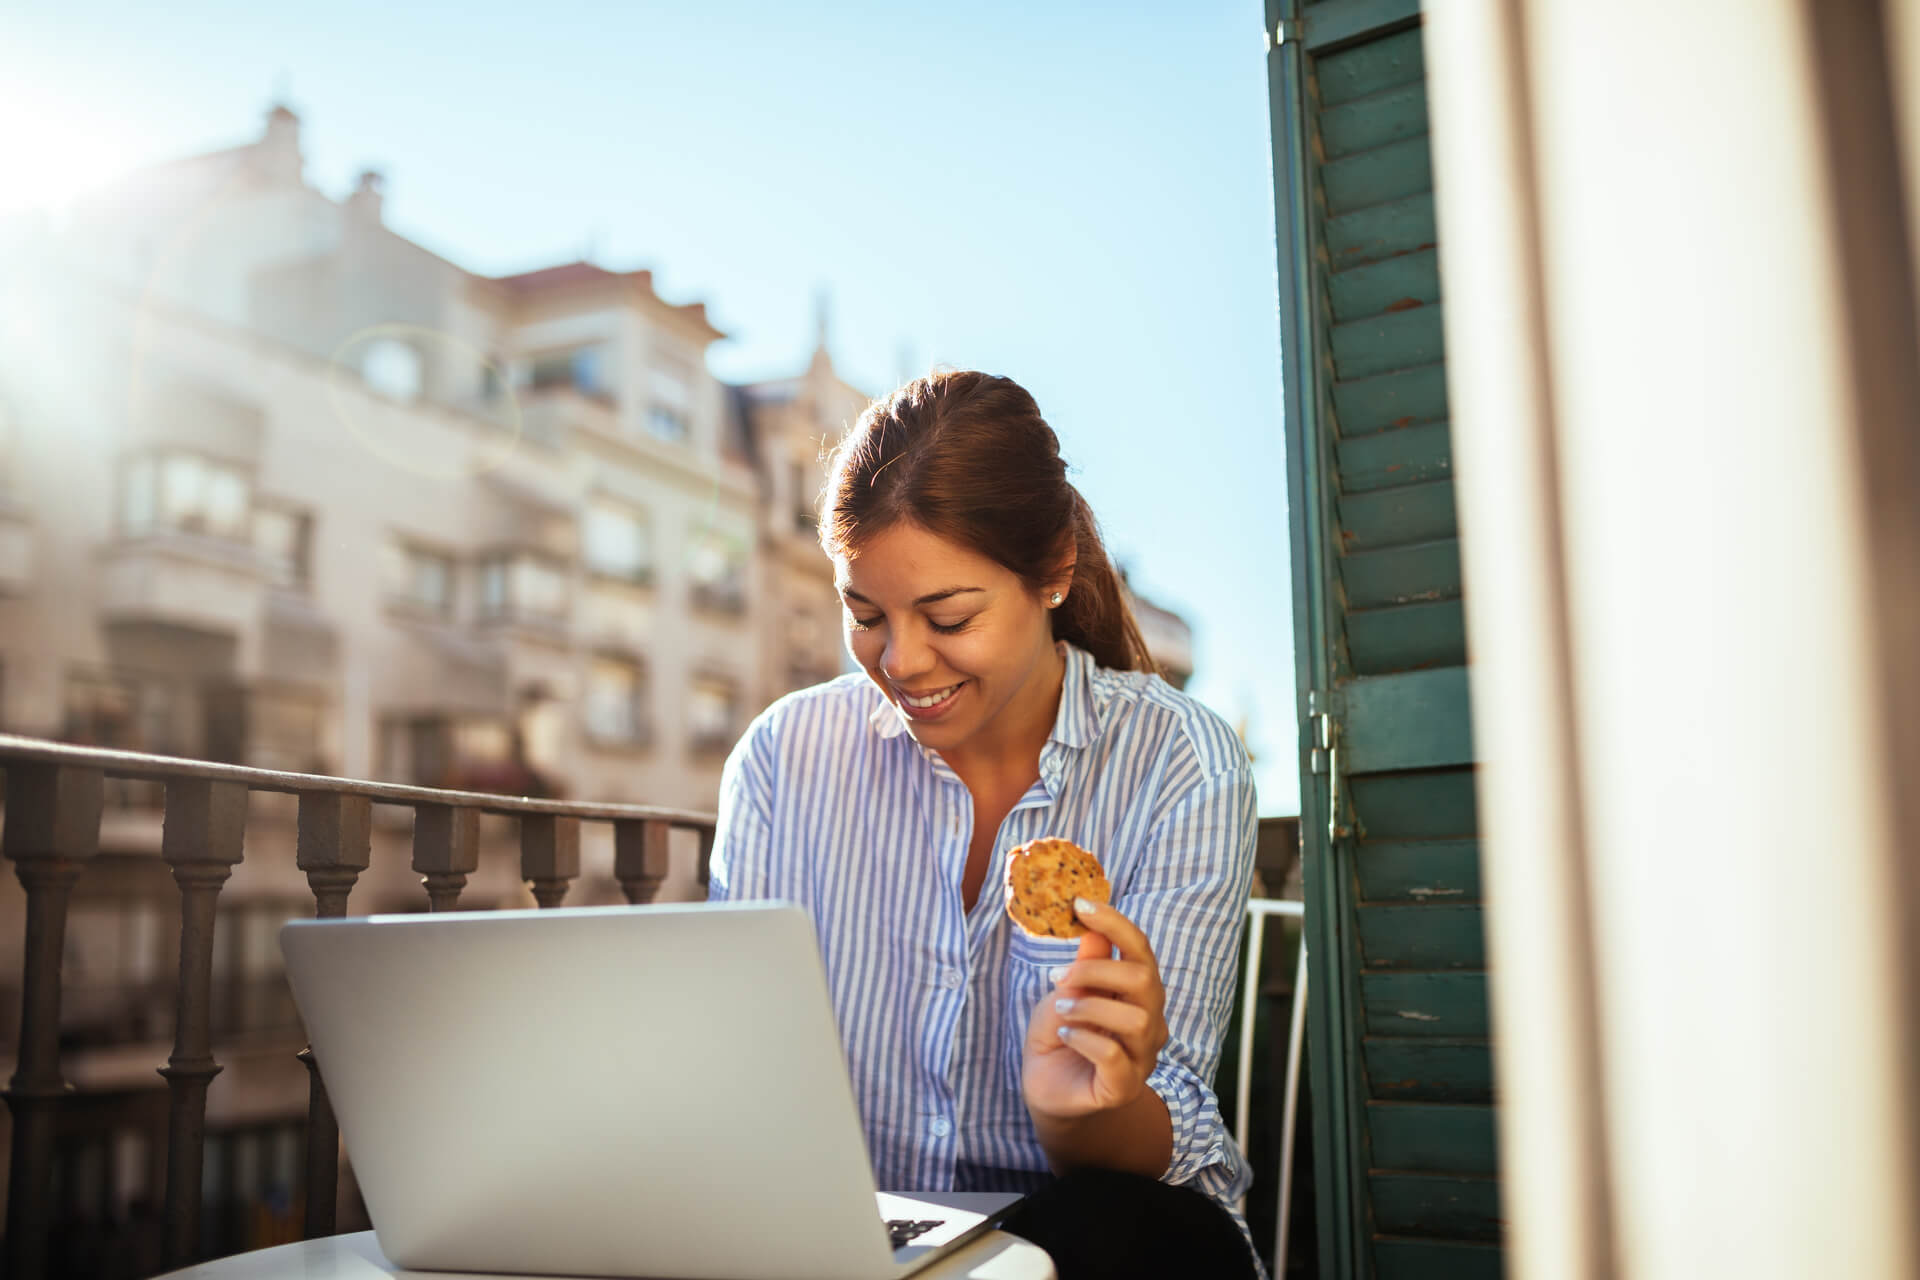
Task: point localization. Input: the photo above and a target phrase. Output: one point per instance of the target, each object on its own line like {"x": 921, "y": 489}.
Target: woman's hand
{"x": 1094, "y": 1038}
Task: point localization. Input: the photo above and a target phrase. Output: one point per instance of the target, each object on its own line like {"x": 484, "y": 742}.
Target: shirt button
{"x": 942, "y": 1126}
{"x": 951, "y": 979}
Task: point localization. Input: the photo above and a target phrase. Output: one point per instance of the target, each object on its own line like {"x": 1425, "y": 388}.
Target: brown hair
{"x": 967, "y": 457}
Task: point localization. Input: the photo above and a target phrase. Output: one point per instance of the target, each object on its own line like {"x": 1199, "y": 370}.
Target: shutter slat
{"x": 1436, "y": 1005}
{"x": 1420, "y": 935}
{"x": 1406, "y": 637}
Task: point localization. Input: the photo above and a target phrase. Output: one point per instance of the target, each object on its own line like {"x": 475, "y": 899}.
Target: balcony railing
{"x": 53, "y": 805}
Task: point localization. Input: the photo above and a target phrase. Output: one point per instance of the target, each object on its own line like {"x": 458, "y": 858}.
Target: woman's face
{"x": 955, "y": 641}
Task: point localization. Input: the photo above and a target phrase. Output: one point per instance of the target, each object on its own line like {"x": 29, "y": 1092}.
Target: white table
{"x": 997, "y": 1256}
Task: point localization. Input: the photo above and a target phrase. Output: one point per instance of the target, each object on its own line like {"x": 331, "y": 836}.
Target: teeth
{"x": 930, "y": 700}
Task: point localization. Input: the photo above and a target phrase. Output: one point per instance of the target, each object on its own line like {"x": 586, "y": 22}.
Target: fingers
{"x": 1103, "y": 918}
{"x": 1126, "y": 1022}
{"x": 1124, "y": 978}
{"x": 1104, "y": 1052}
{"x": 1094, "y": 945}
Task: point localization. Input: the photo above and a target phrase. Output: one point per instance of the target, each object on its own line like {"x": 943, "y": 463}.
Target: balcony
{"x": 62, "y": 1140}
{"x": 216, "y": 907}
{"x": 725, "y": 597}
{"x": 550, "y": 415}
{"x": 190, "y": 580}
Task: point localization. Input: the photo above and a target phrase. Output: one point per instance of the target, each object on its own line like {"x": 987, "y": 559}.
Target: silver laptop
{"x": 619, "y": 1091}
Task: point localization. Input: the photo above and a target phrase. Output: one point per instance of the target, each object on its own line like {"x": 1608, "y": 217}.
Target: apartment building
{"x": 328, "y": 501}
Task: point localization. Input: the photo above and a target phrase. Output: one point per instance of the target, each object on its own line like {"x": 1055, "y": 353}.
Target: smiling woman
{"x": 1005, "y": 694}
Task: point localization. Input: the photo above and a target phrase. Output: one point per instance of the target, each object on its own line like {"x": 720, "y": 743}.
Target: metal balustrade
{"x": 54, "y": 800}
{"x": 1259, "y": 911}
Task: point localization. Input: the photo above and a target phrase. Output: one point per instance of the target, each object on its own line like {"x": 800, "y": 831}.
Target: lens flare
{"x": 379, "y": 383}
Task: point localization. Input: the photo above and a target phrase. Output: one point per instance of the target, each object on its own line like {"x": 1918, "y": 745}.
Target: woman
{"x": 1007, "y": 694}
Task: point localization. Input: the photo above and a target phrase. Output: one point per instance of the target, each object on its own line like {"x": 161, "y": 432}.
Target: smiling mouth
{"x": 933, "y": 699}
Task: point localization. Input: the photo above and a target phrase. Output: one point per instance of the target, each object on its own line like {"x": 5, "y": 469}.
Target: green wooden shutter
{"x": 1404, "y": 1115}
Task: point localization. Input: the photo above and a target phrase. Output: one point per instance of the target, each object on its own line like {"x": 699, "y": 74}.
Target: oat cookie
{"x": 1044, "y": 876}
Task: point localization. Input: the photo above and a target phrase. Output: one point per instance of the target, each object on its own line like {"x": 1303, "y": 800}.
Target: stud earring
{"x": 1055, "y": 599}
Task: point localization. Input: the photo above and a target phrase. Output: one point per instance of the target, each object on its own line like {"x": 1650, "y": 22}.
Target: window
{"x": 670, "y": 408}
{"x": 614, "y": 542}
{"x": 718, "y": 569}
{"x": 490, "y": 383}
{"x": 136, "y": 498}
{"x": 100, "y": 711}
{"x": 283, "y": 538}
{"x": 522, "y": 585}
{"x": 439, "y": 751}
{"x": 615, "y": 705}
{"x": 414, "y": 575}
{"x": 184, "y": 492}
{"x": 712, "y": 708}
{"x": 667, "y": 423}
{"x": 582, "y": 368}
{"x": 131, "y": 711}
{"x": 392, "y": 368}
{"x": 286, "y": 728}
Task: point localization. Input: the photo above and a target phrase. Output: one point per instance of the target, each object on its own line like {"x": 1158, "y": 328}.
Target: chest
{"x": 990, "y": 810}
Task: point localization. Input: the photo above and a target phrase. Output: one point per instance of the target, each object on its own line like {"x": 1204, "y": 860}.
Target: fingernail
{"x": 1085, "y": 906}
{"x": 1066, "y": 1033}
{"x": 1064, "y": 1005}
{"x": 1057, "y": 974}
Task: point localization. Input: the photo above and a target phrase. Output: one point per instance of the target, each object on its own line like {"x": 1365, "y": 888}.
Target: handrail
{"x": 134, "y": 764}
{"x": 1258, "y": 909}
{"x": 54, "y": 800}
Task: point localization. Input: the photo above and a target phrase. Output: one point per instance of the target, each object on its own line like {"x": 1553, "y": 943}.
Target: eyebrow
{"x": 932, "y": 597}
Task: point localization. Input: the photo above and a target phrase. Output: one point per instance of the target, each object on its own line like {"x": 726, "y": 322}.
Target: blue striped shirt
{"x": 827, "y": 801}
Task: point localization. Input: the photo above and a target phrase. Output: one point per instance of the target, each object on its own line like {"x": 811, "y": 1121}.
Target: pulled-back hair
{"x": 967, "y": 457}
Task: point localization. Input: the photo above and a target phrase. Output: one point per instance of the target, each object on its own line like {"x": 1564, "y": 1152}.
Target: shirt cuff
{"x": 1200, "y": 1137}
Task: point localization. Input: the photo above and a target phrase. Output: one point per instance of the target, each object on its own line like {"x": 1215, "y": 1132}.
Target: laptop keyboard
{"x": 901, "y": 1231}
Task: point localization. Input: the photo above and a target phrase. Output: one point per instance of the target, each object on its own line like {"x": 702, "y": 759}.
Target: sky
{"x": 1078, "y": 196}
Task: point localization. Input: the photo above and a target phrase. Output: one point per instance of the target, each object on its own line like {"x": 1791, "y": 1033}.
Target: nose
{"x": 907, "y": 654}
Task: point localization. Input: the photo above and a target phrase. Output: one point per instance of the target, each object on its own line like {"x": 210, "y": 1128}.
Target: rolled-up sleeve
{"x": 1189, "y": 895}
{"x": 742, "y": 837}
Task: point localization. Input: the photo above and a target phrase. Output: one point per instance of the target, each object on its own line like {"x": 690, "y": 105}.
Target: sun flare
{"x": 60, "y": 152}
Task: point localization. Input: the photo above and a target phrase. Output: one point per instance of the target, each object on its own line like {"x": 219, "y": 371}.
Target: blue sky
{"x": 1078, "y": 196}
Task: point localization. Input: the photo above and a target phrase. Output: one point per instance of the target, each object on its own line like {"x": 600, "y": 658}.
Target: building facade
{"x": 329, "y": 502}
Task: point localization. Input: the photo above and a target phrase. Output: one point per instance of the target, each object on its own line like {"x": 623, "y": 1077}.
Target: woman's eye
{"x": 947, "y": 629}
{"x": 863, "y": 624}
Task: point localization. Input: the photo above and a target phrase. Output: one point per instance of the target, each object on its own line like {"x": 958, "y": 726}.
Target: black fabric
{"x": 1097, "y": 1224}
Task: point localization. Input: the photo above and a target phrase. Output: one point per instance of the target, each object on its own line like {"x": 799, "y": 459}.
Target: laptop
{"x": 649, "y": 1091}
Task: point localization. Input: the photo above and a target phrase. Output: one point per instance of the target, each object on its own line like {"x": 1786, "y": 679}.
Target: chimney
{"x": 369, "y": 195}
{"x": 278, "y": 151}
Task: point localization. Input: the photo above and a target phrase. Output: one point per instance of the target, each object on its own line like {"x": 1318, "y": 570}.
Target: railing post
{"x": 335, "y": 846}
{"x": 446, "y": 850}
{"x": 704, "y": 868}
{"x": 549, "y": 855}
{"x": 641, "y": 856}
{"x": 200, "y": 837}
{"x": 52, "y": 829}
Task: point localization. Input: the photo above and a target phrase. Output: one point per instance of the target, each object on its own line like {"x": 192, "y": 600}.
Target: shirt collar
{"x": 1075, "y": 724}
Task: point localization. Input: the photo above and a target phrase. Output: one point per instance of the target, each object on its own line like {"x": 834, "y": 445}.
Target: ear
{"x": 1060, "y": 580}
